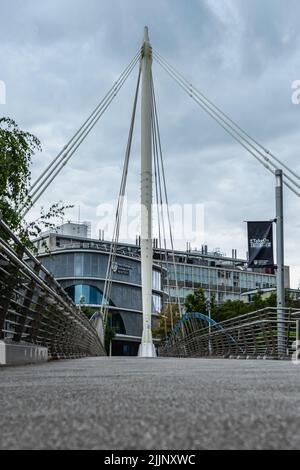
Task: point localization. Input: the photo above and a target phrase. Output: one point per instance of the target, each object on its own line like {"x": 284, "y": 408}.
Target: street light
{"x": 208, "y": 309}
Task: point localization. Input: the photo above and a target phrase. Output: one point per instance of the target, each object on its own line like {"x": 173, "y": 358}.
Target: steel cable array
{"x": 258, "y": 151}
{"x": 64, "y": 156}
{"x": 163, "y": 200}
{"x": 120, "y": 203}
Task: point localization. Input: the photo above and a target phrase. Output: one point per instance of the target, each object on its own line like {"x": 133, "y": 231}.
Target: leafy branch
{"x": 16, "y": 151}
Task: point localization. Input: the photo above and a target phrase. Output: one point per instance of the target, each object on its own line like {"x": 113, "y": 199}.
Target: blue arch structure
{"x": 189, "y": 316}
{"x": 196, "y": 316}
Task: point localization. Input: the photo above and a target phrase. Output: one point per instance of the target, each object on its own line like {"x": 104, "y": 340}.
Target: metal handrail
{"x": 253, "y": 334}
{"x": 35, "y": 309}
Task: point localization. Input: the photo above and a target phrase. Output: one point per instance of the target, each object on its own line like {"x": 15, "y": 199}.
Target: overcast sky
{"x": 58, "y": 58}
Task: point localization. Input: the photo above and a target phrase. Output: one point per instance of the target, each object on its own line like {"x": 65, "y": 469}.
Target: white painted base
{"x": 147, "y": 350}
{"x": 13, "y": 354}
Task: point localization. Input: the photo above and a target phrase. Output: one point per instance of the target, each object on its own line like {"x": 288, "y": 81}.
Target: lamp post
{"x": 280, "y": 264}
{"x": 208, "y": 309}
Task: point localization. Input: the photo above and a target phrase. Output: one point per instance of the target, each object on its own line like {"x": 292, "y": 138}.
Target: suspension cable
{"x": 164, "y": 185}
{"x": 44, "y": 181}
{"x": 85, "y": 123}
{"x": 267, "y": 163}
{"x": 120, "y": 204}
{"x": 219, "y": 111}
{"x": 159, "y": 204}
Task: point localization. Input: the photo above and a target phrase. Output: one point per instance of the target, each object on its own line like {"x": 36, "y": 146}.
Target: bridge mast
{"x": 147, "y": 348}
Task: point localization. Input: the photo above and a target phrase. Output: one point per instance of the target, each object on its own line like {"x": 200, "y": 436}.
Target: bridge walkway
{"x": 130, "y": 403}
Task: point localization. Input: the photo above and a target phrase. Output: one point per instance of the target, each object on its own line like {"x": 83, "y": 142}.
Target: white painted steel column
{"x": 147, "y": 348}
{"x": 280, "y": 265}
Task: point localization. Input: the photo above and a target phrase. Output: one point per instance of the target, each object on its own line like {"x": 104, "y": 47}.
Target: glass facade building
{"x": 80, "y": 263}
{"x": 80, "y": 266}
{"x": 225, "y": 283}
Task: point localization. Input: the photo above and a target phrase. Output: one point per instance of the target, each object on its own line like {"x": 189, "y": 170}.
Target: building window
{"x": 117, "y": 323}
{"x": 156, "y": 280}
{"x": 85, "y": 294}
{"x": 156, "y": 304}
{"x": 78, "y": 264}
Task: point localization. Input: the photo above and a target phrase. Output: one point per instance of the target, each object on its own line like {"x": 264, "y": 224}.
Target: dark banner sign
{"x": 260, "y": 244}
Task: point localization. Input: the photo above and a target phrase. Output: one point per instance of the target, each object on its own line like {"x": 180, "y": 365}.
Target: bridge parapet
{"x": 36, "y": 314}
{"x": 250, "y": 336}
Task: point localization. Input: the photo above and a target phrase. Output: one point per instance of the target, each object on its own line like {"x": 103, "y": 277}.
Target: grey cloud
{"x": 59, "y": 58}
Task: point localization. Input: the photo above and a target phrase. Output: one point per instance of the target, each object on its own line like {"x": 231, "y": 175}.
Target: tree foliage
{"x": 16, "y": 151}
{"x": 196, "y": 302}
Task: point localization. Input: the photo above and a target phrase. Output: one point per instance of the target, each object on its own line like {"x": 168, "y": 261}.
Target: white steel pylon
{"x": 147, "y": 348}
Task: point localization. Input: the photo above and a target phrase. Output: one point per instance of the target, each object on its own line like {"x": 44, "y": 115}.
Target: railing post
{"x": 208, "y": 308}
{"x": 7, "y": 291}
{"x": 297, "y": 340}
{"x": 19, "y": 331}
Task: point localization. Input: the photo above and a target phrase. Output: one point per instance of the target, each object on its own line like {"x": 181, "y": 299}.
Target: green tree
{"x": 16, "y": 151}
{"x": 257, "y": 302}
{"x": 272, "y": 300}
{"x": 231, "y": 309}
{"x": 198, "y": 302}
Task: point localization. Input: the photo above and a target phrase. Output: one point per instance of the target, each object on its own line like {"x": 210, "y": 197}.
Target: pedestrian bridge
{"x": 152, "y": 404}
{"x": 185, "y": 400}
{"x": 38, "y": 321}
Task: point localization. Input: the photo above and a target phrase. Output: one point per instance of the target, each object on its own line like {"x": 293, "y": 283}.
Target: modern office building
{"x": 79, "y": 263}
{"x": 220, "y": 276}
{"x": 293, "y": 294}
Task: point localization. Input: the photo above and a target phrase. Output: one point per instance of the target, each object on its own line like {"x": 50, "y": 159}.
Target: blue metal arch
{"x": 189, "y": 316}
{"x": 197, "y": 316}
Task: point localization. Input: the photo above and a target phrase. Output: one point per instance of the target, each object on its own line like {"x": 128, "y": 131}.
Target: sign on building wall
{"x": 260, "y": 244}
{"x": 124, "y": 270}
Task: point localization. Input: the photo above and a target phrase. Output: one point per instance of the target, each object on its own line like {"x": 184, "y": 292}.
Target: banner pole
{"x": 280, "y": 264}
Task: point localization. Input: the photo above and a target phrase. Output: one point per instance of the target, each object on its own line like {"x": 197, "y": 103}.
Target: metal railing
{"x": 34, "y": 308}
{"x": 260, "y": 334}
